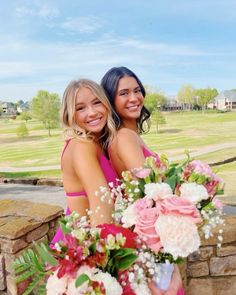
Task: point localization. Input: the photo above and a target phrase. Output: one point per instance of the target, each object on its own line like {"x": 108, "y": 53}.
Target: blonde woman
{"x": 88, "y": 127}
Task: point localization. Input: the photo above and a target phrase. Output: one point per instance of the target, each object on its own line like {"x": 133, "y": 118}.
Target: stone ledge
{"x": 34, "y": 181}
{"x": 19, "y": 217}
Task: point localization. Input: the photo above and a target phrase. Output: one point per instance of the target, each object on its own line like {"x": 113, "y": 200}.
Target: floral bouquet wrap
{"x": 169, "y": 206}
{"x": 108, "y": 259}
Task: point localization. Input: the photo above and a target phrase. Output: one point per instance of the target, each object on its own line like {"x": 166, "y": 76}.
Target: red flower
{"x": 123, "y": 278}
{"x": 115, "y": 229}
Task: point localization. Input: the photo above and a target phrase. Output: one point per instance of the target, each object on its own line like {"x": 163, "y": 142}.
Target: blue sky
{"x": 45, "y": 44}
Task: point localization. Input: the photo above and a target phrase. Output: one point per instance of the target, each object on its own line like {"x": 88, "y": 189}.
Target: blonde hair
{"x": 68, "y": 110}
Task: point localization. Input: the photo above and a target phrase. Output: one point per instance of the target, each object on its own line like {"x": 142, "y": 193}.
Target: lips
{"x": 133, "y": 108}
{"x": 94, "y": 122}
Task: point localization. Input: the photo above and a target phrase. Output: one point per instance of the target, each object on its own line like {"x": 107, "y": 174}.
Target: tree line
{"x": 45, "y": 106}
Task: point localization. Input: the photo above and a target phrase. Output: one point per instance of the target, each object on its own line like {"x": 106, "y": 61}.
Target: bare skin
{"x": 82, "y": 172}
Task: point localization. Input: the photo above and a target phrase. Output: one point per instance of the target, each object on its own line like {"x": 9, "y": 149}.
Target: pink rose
{"x": 217, "y": 203}
{"x": 142, "y": 173}
{"x": 179, "y": 206}
{"x": 142, "y": 204}
{"x": 145, "y": 227}
{"x": 200, "y": 167}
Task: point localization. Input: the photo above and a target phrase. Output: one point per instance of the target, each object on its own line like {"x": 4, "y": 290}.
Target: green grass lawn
{"x": 182, "y": 131}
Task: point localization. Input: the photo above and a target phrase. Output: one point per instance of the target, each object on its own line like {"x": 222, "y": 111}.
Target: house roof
{"x": 229, "y": 94}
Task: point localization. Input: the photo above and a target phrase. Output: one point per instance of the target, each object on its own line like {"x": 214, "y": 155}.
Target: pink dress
{"x": 148, "y": 153}
{"x": 110, "y": 176}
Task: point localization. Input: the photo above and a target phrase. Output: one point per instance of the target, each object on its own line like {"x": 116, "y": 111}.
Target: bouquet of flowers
{"x": 168, "y": 206}
{"x": 108, "y": 259}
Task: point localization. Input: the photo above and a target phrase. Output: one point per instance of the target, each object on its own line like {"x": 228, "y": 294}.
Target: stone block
{"x": 16, "y": 289}
{"x": 34, "y": 211}
{"x": 212, "y": 286}
{"x": 226, "y": 250}
{"x": 2, "y": 273}
{"x": 50, "y": 181}
{"x": 51, "y": 233}
{"x": 204, "y": 253}
{"x": 37, "y": 233}
{"x": 221, "y": 266}
{"x": 12, "y": 246}
{"x": 198, "y": 269}
{"x": 32, "y": 181}
{"x": 229, "y": 234}
{"x": 13, "y": 227}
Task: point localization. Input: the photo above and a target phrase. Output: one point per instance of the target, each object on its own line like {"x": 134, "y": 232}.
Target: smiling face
{"x": 129, "y": 99}
{"x": 90, "y": 113}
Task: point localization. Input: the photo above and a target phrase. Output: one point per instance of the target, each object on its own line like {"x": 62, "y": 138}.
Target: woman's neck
{"x": 130, "y": 124}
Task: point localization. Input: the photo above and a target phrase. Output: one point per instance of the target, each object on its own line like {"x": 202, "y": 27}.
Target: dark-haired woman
{"x": 127, "y": 150}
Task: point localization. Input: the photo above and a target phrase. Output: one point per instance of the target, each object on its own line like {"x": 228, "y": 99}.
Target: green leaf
{"x": 65, "y": 229}
{"x": 45, "y": 254}
{"x": 127, "y": 261}
{"x": 81, "y": 279}
{"x": 122, "y": 252}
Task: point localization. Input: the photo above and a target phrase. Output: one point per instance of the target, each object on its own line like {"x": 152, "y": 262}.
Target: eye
{"x": 138, "y": 90}
{"x": 80, "y": 109}
{"x": 122, "y": 93}
{"x": 97, "y": 102}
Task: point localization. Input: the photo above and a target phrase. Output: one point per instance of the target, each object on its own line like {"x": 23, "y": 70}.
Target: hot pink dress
{"x": 110, "y": 176}
{"x": 148, "y": 153}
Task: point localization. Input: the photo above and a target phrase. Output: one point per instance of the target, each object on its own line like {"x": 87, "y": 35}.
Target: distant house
{"x": 172, "y": 105}
{"x": 226, "y": 100}
{"x": 8, "y": 108}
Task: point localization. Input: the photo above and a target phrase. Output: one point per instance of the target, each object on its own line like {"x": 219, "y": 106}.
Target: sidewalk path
{"x": 53, "y": 195}
{"x": 201, "y": 151}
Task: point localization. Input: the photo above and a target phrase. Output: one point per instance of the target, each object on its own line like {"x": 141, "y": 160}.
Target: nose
{"x": 133, "y": 96}
{"x": 92, "y": 112}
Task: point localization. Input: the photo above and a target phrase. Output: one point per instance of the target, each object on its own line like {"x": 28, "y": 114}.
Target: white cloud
{"x": 88, "y": 24}
{"x": 43, "y": 11}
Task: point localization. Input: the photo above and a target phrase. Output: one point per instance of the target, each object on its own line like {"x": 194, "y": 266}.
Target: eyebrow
{"x": 82, "y": 103}
{"x": 126, "y": 89}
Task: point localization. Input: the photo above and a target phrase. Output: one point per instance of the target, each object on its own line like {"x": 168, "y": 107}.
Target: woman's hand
{"x": 175, "y": 284}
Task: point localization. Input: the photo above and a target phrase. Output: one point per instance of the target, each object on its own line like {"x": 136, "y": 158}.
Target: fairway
{"x": 212, "y": 135}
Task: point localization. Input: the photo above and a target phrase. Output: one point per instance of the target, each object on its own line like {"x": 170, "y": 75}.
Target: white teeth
{"x": 94, "y": 122}
{"x": 132, "y": 108}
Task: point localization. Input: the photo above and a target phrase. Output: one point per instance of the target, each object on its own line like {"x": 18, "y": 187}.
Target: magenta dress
{"x": 110, "y": 176}
{"x": 148, "y": 153}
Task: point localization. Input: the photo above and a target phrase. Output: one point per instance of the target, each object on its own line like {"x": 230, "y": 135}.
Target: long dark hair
{"x": 110, "y": 84}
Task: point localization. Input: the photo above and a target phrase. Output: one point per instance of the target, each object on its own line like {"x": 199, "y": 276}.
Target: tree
{"x": 154, "y": 100}
{"x": 158, "y": 118}
{"x": 22, "y": 130}
{"x": 25, "y": 116}
{"x": 204, "y": 96}
{"x": 45, "y": 107}
{"x": 186, "y": 96}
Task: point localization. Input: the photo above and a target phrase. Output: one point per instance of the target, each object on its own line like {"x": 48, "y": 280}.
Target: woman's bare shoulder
{"x": 83, "y": 148}
{"x": 127, "y": 134}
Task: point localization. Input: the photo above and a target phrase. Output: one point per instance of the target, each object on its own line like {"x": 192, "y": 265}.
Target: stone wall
{"x": 212, "y": 270}
{"x": 21, "y": 223}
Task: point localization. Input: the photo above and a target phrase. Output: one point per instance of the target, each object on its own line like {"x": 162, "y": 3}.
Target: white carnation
{"x": 194, "y": 192}
{"x": 129, "y": 216}
{"x": 157, "y": 190}
{"x": 178, "y": 234}
{"x": 111, "y": 285}
{"x": 56, "y": 286}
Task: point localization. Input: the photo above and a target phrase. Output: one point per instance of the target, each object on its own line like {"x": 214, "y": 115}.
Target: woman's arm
{"x": 88, "y": 170}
